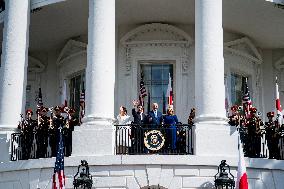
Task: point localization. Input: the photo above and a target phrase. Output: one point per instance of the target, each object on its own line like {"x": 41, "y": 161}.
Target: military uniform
{"x": 272, "y": 136}
{"x": 234, "y": 119}
{"x": 27, "y": 126}
{"x": 42, "y": 133}
{"x": 58, "y": 123}
{"x": 254, "y": 134}
{"x": 70, "y": 122}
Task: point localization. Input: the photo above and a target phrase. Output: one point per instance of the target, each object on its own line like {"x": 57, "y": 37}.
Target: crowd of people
{"x": 130, "y": 134}
{"x": 39, "y": 137}
{"x": 255, "y": 133}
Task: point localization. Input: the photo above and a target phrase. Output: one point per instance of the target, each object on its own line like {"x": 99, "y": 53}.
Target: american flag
{"x": 82, "y": 105}
{"x": 58, "y": 176}
{"x": 247, "y": 104}
{"x": 39, "y": 99}
{"x": 142, "y": 91}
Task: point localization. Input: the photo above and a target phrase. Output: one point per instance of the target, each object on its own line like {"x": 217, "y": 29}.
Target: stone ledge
{"x": 184, "y": 160}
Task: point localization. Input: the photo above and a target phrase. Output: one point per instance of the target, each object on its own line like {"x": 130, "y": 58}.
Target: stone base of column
{"x": 94, "y": 137}
{"x": 218, "y": 139}
{"x": 5, "y": 142}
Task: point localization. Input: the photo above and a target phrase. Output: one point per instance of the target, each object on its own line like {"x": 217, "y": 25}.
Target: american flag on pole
{"x": 142, "y": 91}
{"x": 170, "y": 91}
{"x": 247, "y": 104}
{"x": 58, "y": 178}
{"x": 82, "y": 104}
{"x": 278, "y": 105}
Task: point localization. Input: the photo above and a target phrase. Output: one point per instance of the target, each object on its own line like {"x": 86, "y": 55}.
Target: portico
{"x": 208, "y": 47}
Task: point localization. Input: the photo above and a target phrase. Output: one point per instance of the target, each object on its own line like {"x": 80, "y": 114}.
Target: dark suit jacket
{"x": 155, "y": 120}
{"x": 137, "y": 118}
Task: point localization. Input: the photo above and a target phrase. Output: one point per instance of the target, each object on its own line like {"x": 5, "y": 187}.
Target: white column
{"x": 13, "y": 67}
{"x": 212, "y": 132}
{"x": 97, "y": 131}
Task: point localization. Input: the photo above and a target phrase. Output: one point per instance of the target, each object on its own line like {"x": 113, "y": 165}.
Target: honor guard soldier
{"x": 27, "y": 125}
{"x": 254, "y": 134}
{"x": 272, "y": 136}
{"x": 234, "y": 119}
{"x": 70, "y": 122}
{"x": 42, "y": 132}
{"x": 58, "y": 123}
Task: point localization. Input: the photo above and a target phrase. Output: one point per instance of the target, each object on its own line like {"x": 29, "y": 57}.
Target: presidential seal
{"x": 154, "y": 140}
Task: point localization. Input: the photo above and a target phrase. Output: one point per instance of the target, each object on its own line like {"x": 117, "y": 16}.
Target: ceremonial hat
{"x": 234, "y": 108}
{"x": 253, "y": 109}
{"x": 57, "y": 108}
{"x": 270, "y": 114}
{"x": 44, "y": 109}
{"x": 29, "y": 111}
{"x": 71, "y": 110}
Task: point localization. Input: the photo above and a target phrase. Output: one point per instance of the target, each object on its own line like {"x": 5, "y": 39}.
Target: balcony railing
{"x": 263, "y": 143}
{"x": 36, "y": 145}
{"x": 154, "y": 139}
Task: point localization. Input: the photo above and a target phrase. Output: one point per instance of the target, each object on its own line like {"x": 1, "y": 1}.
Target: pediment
{"x": 244, "y": 47}
{"x": 35, "y": 65}
{"x": 156, "y": 32}
{"x": 71, "y": 48}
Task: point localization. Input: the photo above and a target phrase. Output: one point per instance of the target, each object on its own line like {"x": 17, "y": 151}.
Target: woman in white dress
{"x": 123, "y": 132}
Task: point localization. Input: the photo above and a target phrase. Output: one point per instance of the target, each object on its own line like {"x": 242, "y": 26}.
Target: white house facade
{"x": 207, "y": 47}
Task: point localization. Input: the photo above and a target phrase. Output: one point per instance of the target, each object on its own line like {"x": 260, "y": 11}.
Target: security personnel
{"x": 27, "y": 126}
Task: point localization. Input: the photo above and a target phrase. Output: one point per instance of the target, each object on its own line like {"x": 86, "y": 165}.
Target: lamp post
{"x": 84, "y": 181}
{"x": 224, "y": 179}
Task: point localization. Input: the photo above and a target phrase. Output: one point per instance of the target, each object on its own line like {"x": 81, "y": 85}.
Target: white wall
{"x": 131, "y": 172}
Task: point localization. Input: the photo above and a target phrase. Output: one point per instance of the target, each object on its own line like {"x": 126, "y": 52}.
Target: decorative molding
{"x": 172, "y": 37}
{"x": 128, "y": 60}
{"x": 237, "y": 47}
{"x": 185, "y": 61}
{"x": 279, "y": 64}
{"x": 72, "y": 48}
{"x": 35, "y": 65}
{"x": 172, "y": 32}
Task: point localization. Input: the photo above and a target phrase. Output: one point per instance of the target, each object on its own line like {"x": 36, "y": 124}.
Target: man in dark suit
{"x": 137, "y": 130}
{"x": 139, "y": 116}
{"x": 155, "y": 117}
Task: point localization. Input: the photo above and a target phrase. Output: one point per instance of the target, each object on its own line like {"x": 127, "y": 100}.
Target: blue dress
{"x": 170, "y": 122}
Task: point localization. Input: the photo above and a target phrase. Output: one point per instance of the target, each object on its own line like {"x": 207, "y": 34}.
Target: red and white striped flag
{"x": 170, "y": 91}
{"x": 242, "y": 179}
{"x": 278, "y": 105}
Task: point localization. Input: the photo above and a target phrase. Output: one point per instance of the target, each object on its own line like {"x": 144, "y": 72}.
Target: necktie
{"x": 155, "y": 114}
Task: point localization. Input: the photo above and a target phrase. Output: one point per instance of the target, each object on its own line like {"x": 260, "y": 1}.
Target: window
{"x": 237, "y": 88}
{"x": 156, "y": 78}
{"x": 77, "y": 83}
